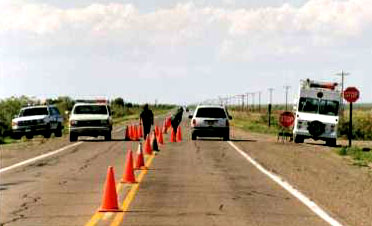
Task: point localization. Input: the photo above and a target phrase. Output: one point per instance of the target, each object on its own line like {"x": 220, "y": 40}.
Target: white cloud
{"x": 240, "y": 32}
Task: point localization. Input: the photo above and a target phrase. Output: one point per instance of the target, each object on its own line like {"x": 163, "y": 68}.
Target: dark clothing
{"x": 176, "y": 119}
{"x": 147, "y": 118}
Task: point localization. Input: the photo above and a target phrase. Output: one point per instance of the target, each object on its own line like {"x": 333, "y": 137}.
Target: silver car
{"x": 210, "y": 121}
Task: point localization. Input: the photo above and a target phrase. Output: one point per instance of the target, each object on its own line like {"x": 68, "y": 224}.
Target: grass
{"x": 254, "y": 122}
{"x": 361, "y": 156}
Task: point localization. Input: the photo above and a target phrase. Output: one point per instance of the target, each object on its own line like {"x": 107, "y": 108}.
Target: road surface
{"x": 203, "y": 182}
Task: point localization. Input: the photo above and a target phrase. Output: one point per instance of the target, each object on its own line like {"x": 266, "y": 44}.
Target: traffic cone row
{"x": 133, "y": 133}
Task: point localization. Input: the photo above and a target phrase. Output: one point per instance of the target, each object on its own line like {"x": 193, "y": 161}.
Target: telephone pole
{"x": 342, "y": 74}
{"x": 259, "y": 101}
{"x": 269, "y": 107}
{"x": 286, "y": 96}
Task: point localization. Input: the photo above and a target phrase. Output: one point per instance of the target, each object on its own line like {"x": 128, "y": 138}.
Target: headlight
{"x": 14, "y": 123}
{"x": 73, "y": 122}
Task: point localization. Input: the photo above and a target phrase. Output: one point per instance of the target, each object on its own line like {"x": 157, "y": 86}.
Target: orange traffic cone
{"x": 110, "y": 198}
{"x": 127, "y": 135}
{"x": 140, "y": 161}
{"x": 173, "y": 136}
{"x": 148, "y": 150}
{"x": 165, "y": 128}
{"x": 128, "y": 175}
{"x": 179, "y": 134}
{"x": 155, "y": 146}
{"x": 160, "y": 138}
{"x": 156, "y": 131}
{"x": 135, "y": 134}
{"x": 140, "y": 133}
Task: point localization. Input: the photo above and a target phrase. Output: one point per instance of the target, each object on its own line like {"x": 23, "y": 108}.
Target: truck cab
{"x": 317, "y": 112}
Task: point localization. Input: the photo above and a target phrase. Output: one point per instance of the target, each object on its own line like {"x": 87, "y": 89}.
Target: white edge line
{"x": 28, "y": 161}
{"x": 305, "y": 200}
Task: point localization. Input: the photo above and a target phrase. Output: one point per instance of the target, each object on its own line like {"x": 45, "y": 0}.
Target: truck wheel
{"x": 58, "y": 131}
{"x": 108, "y": 136}
{"x": 29, "y": 136}
{"x": 226, "y": 137}
{"x": 47, "y": 134}
{"x": 298, "y": 139}
{"x": 73, "y": 137}
{"x": 331, "y": 142}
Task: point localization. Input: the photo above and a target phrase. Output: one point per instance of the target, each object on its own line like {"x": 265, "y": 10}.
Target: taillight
{"x": 194, "y": 122}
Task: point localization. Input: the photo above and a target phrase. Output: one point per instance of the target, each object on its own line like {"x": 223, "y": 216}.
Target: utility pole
{"x": 247, "y": 94}
{"x": 269, "y": 107}
{"x": 259, "y": 101}
{"x": 286, "y": 96}
{"x": 342, "y": 74}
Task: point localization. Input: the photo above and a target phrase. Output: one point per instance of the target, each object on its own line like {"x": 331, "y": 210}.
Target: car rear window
{"x": 34, "y": 111}
{"x": 91, "y": 109}
{"x": 210, "y": 113}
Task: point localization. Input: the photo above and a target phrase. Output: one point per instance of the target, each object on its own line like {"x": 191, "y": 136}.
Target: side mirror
{"x": 190, "y": 116}
{"x": 230, "y": 117}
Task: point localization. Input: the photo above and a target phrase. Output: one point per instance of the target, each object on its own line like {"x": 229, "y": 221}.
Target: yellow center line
{"x": 130, "y": 195}
{"x": 129, "y": 198}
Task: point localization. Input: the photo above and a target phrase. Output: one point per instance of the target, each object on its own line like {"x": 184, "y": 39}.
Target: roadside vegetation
{"x": 361, "y": 156}
{"x": 123, "y": 111}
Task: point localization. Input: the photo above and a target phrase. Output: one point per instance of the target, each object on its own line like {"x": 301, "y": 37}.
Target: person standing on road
{"x": 147, "y": 119}
{"x": 176, "y": 119}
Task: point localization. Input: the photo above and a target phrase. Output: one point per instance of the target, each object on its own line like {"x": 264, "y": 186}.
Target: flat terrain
{"x": 203, "y": 182}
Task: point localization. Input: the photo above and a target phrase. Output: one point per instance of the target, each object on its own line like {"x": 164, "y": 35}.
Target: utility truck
{"x": 317, "y": 112}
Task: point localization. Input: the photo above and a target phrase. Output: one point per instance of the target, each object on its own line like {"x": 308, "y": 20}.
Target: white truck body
{"x": 317, "y": 112}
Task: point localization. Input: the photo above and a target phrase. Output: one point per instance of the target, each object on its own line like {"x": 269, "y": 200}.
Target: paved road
{"x": 204, "y": 182}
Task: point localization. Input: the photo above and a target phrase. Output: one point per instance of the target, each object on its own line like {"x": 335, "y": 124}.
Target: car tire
{"x": 226, "y": 138}
{"x": 331, "y": 142}
{"x": 29, "y": 136}
{"x": 193, "y": 136}
{"x": 73, "y": 137}
{"x": 58, "y": 131}
{"x": 108, "y": 136}
{"x": 299, "y": 139}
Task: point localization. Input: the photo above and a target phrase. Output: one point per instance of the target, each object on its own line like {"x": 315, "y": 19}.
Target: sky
{"x": 181, "y": 51}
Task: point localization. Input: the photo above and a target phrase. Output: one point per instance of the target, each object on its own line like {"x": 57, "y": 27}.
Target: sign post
{"x": 351, "y": 95}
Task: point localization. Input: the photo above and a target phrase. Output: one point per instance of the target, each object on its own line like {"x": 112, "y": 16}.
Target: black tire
{"x": 226, "y": 137}
{"x": 58, "y": 132}
{"x": 108, "y": 136}
{"x": 331, "y": 142}
{"x": 73, "y": 137}
{"x": 193, "y": 136}
{"x": 47, "y": 134}
{"x": 298, "y": 139}
{"x": 29, "y": 136}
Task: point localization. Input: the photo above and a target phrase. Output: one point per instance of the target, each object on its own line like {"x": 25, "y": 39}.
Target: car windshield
{"x": 34, "y": 111}
{"x": 91, "y": 109}
{"x": 323, "y": 107}
{"x": 211, "y": 113}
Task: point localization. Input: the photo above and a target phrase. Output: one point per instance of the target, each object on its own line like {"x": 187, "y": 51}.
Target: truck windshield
{"x": 34, "y": 111}
{"x": 323, "y": 107}
{"x": 91, "y": 109}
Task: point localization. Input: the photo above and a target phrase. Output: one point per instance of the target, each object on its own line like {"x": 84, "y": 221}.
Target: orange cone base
{"x": 110, "y": 210}
{"x": 142, "y": 168}
{"x": 128, "y": 182}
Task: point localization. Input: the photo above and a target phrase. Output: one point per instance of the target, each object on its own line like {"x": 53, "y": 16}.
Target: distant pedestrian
{"x": 176, "y": 119}
{"x": 147, "y": 119}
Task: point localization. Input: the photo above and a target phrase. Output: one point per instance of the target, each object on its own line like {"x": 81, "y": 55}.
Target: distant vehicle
{"x": 210, "y": 121}
{"x": 90, "y": 119}
{"x": 317, "y": 112}
{"x": 37, "y": 120}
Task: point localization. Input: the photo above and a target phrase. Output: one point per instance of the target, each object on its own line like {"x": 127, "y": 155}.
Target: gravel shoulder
{"x": 332, "y": 181}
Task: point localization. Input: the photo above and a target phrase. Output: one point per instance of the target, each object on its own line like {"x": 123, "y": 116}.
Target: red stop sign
{"x": 286, "y": 119}
{"x": 351, "y": 94}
